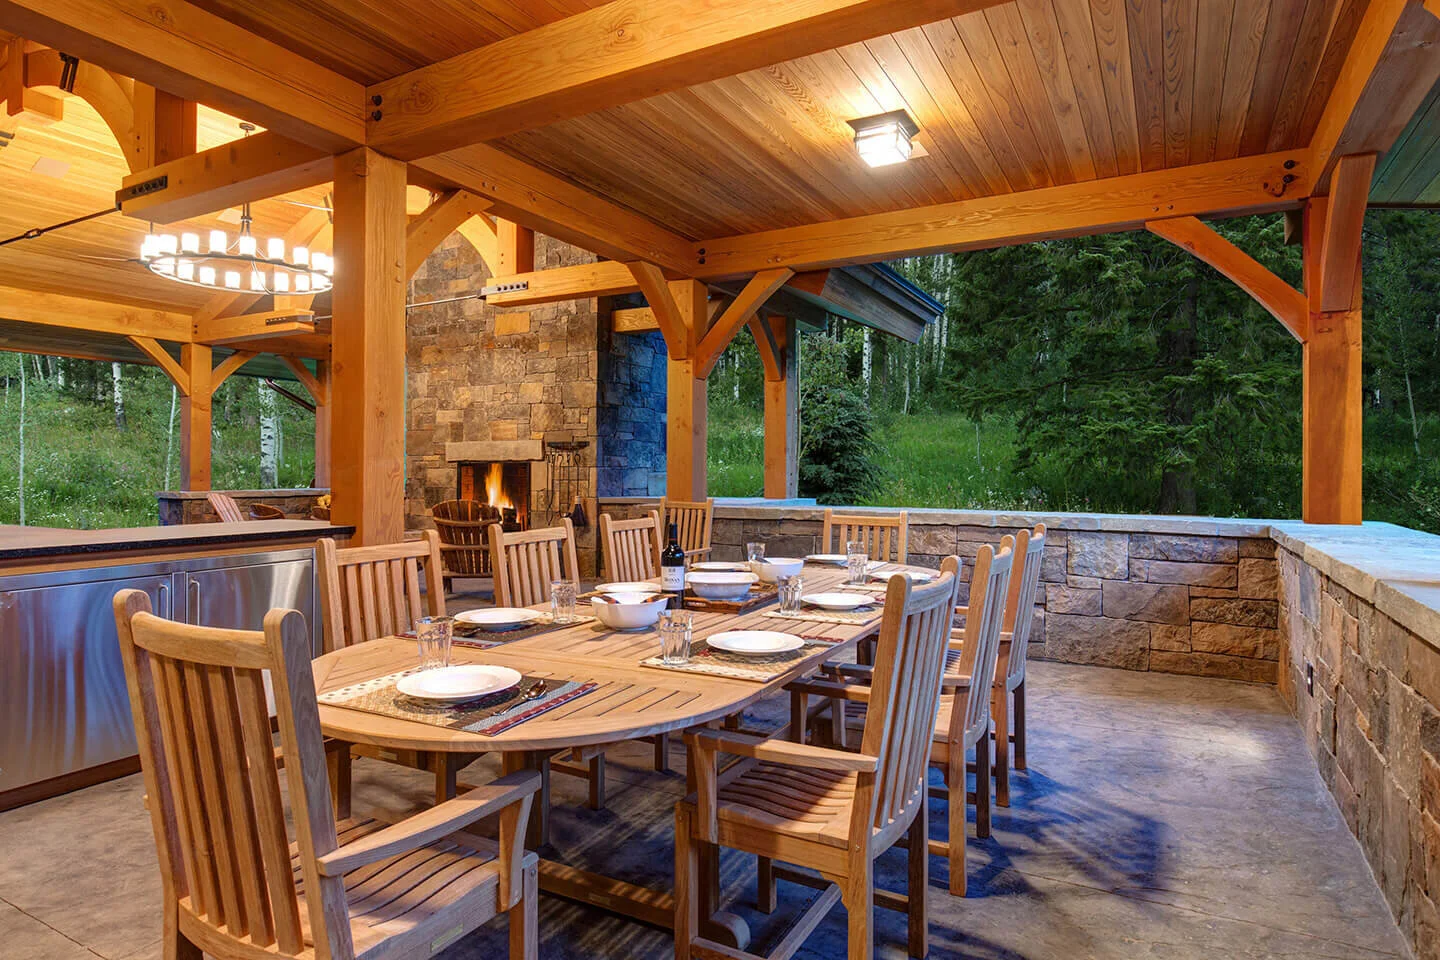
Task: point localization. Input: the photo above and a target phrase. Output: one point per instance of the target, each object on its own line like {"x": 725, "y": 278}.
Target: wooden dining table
{"x": 631, "y": 701}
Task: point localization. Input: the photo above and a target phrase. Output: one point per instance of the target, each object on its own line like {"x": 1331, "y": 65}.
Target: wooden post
{"x": 516, "y": 246}
{"x": 195, "y": 359}
{"x": 368, "y": 355}
{"x": 322, "y": 425}
{"x": 782, "y": 415}
{"x": 164, "y": 128}
{"x": 686, "y": 410}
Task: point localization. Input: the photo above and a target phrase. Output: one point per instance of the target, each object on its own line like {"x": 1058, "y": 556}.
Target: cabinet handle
{"x": 167, "y": 609}
{"x": 193, "y": 586}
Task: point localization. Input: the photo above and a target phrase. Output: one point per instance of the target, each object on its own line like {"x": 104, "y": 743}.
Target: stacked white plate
{"x": 754, "y": 643}
{"x": 458, "y": 683}
{"x": 499, "y": 618}
{"x": 836, "y": 601}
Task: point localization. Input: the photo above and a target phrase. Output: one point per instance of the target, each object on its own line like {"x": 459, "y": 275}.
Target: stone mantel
{"x": 493, "y": 450}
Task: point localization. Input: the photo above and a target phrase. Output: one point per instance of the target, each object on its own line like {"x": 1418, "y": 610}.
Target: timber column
{"x": 782, "y": 409}
{"x": 686, "y": 408}
{"x": 195, "y": 419}
{"x": 368, "y": 347}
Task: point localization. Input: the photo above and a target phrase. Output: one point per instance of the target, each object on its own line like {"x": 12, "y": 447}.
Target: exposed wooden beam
{"x": 616, "y": 53}
{"x": 12, "y": 77}
{"x": 686, "y": 404}
{"x": 191, "y": 53}
{"x": 771, "y": 349}
{"x": 195, "y": 416}
{"x": 1284, "y": 302}
{"x": 174, "y": 370}
{"x": 254, "y": 326}
{"x": 251, "y": 168}
{"x": 604, "y": 278}
{"x": 1344, "y": 218}
{"x": 669, "y": 313}
{"x": 516, "y": 247}
{"x": 557, "y": 208}
{"x": 308, "y": 380}
{"x": 430, "y": 228}
{"x": 776, "y": 337}
{"x": 315, "y": 346}
{"x": 163, "y": 130}
{"x": 740, "y": 311}
{"x": 80, "y": 313}
{"x": 634, "y": 320}
{"x": 228, "y": 366}
{"x": 1227, "y": 187}
{"x": 109, "y": 94}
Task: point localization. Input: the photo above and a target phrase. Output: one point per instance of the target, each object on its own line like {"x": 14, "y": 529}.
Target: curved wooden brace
{"x": 1284, "y": 302}
{"x": 111, "y": 96}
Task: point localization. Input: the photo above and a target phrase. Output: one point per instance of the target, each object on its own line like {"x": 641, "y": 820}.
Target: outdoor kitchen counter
{"x": 49, "y": 547}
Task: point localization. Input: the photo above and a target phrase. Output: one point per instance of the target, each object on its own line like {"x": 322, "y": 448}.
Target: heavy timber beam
{"x": 164, "y": 128}
{"x": 193, "y": 54}
{"x": 79, "y": 313}
{"x": 616, "y": 53}
{"x": 604, "y": 278}
{"x": 111, "y": 96}
{"x": 251, "y": 168}
{"x": 750, "y": 299}
{"x": 776, "y": 338}
{"x": 254, "y": 326}
{"x": 368, "y": 376}
{"x": 685, "y": 401}
{"x": 1249, "y": 185}
{"x": 195, "y": 417}
{"x": 429, "y": 229}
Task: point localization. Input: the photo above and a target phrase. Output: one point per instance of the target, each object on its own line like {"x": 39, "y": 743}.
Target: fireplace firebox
{"x": 504, "y": 485}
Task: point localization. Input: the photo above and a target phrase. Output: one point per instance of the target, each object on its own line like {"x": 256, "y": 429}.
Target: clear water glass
{"x": 562, "y": 600}
{"x": 675, "y": 629}
{"x": 857, "y": 561}
{"x": 790, "y": 588}
{"x": 432, "y": 636}
{"x": 754, "y": 551}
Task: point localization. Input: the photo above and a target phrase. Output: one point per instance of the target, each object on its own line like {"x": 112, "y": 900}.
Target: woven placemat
{"x": 486, "y": 716}
{"x": 719, "y": 663}
{"x": 851, "y": 617}
{"x": 467, "y": 635}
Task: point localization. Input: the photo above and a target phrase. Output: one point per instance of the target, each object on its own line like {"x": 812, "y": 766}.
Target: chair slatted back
{"x": 370, "y": 592}
{"x": 225, "y": 507}
{"x": 465, "y": 524}
{"x": 1020, "y": 604}
{"x": 989, "y": 587}
{"x": 264, "y": 511}
{"x": 693, "y": 521}
{"x": 905, "y": 692}
{"x": 885, "y": 538}
{"x": 525, "y": 562}
{"x": 197, "y": 695}
{"x": 631, "y": 547}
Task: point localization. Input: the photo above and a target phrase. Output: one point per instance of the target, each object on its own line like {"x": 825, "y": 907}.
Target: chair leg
{"x": 837, "y": 723}
{"x": 765, "y": 893}
{"x": 799, "y": 718}
{"x": 524, "y": 919}
{"x": 982, "y": 787}
{"x": 858, "y": 895}
{"x": 338, "y": 766}
{"x": 687, "y": 884}
{"x": 955, "y": 811}
{"x": 597, "y": 782}
{"x": 918, "y": 854}
{"x": 445, "y": 766}
{"x": 176, "y": 946}
{"x": 662, "y": 753}
{"x": 1018, "y": 696}
{"x": 1000, "y": 717}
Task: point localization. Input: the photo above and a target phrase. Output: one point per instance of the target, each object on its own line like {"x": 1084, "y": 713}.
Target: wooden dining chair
{"x": 885, "y": 538}
{"x": 630, "y": 549}
{"x": 1007, "y": 697}
{"x": 233, "y": 883}
{"x": 694, "y": 520}
{"x": 264, "y": 511}
{"x": 464, "y": 528}
{"x": 225, "y": 507}
{"x": 827, "y": 810}
{"x": 372, "y": 592}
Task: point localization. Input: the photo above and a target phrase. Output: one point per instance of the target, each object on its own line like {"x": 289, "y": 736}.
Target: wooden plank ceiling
{"x": 1409, "y": 174}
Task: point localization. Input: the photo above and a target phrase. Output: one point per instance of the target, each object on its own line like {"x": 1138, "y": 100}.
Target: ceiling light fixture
{"x": 885, "y": 138}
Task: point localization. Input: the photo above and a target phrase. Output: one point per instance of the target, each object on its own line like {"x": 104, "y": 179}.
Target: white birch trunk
{"x": 170, "y": 437}
{"x": 117, "y": 395}
{"x": 269, "y": 438}
{"x": 867, "y": 360}
{"x": 22, "y": 441}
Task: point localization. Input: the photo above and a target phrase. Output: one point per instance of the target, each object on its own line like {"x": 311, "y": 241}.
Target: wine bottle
{"x": 672, "y": 564}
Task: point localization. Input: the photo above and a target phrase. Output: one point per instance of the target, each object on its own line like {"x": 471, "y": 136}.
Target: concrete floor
{"x": 1161, "y": 816}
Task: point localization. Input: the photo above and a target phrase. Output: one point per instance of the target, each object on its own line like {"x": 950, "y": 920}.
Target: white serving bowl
{"x": 628, "y": 611}
{"x": 772, "y": 568}
{"x": 718, "y": 585}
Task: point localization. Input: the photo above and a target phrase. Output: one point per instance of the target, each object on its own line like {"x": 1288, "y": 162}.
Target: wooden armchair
{"x": 827, "y": 810}
{"x": 631, "y": 548}
{"x": 463, "y": 526}
{"x": 264, "y": 511}
{"x": 233, "y": 884}
{"x": 885, "y": 537}
{"x": 225, "y": 507}
{"x": 693, "y": 521}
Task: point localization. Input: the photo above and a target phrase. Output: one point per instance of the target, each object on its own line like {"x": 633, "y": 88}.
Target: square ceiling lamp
{"x": 886, "y": 138}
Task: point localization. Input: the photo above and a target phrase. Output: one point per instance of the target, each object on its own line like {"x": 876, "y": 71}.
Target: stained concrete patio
{"x": 1161, "y": 817}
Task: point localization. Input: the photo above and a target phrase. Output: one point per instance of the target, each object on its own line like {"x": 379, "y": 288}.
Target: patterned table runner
{"x": 487, "y": 716}
{"x": 704, "y": 659}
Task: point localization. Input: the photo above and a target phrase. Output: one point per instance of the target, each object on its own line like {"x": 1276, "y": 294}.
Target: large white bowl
{"x": 718, "y": 585}
{"x": 772, "y": 568}
{"x": 629, "y": 611}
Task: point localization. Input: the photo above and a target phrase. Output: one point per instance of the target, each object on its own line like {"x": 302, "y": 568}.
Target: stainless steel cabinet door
{"x": 63, "y": 701}
{"x": 238, "y": 596}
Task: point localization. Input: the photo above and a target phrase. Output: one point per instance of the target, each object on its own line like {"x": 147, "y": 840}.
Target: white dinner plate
{"x": 721, "y": 566}
{"x": 755, "y": 642}
{"x": 629, "y": 586}
{"x": 453, "y": 684}
{"x": 498, "y": 618}
{"x": 839, "y": 559}
{"x": 914, "y": 576}
{"x": 836, "y": 601}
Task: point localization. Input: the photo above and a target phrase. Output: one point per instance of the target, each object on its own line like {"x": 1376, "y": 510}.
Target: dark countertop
{"x": 21, "y": 543}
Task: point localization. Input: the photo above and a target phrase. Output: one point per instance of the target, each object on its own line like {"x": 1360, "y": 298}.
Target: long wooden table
{"x": 632, "y": 701}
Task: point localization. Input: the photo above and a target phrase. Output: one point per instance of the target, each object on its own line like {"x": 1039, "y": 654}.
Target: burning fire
{"x": 494, "y": 491}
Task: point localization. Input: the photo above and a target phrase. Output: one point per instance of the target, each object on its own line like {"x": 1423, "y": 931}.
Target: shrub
{"x": 837, "y": 444}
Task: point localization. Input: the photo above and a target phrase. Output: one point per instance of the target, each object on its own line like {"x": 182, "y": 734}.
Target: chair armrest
{"x": 962, "y": 612}
{"x": 854, "y": 692}
{"x": 863, "y": 672}
{"x": 951, "y": 682}
{"x": 438, "y": 821}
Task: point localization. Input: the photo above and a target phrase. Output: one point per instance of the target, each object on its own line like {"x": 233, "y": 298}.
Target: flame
{"x": 493, "y": 489}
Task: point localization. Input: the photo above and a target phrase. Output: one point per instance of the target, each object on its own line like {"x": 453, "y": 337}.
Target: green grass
{"x": 735, "y": 460}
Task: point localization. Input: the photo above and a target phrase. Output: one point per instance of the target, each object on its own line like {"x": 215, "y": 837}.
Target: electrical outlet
{"x": 1310, "y": 678}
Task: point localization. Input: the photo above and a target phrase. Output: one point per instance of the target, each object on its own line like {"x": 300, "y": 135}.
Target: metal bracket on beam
{"x": 513, "y": 287}
{"x": 142, "y": 188}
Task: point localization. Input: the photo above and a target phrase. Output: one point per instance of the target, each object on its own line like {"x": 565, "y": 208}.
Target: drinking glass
{"x": 562, "y": 600}
{"x": 790, "y": 588}
{"x": 857, "y": 560}
{"x": 432, "y": 636}
{"x": 754, "y": 551}
{"x": 675, "y": 633}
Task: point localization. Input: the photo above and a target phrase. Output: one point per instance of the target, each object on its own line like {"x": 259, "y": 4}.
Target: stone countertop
{"x": 22, "y": 543}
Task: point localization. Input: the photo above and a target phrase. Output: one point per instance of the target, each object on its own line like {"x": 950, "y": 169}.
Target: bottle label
{"x": 672, "y": 579}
